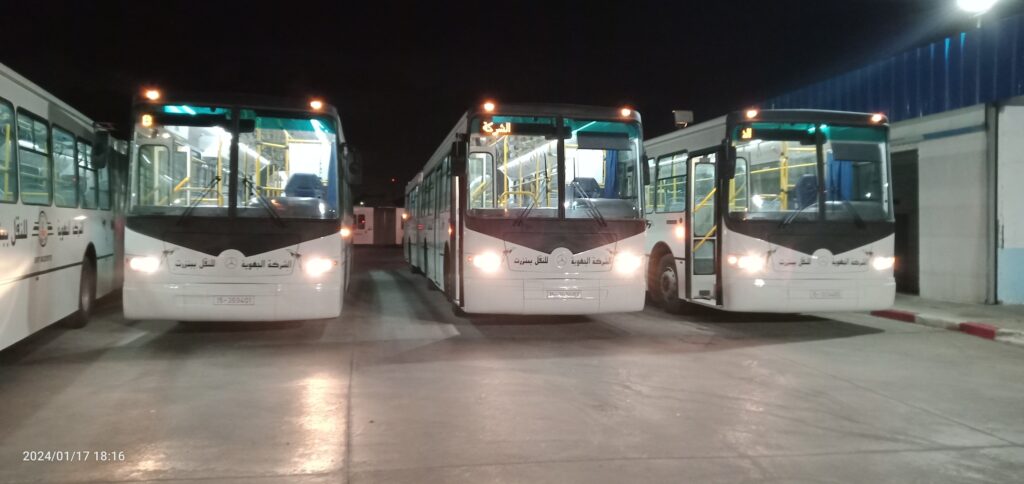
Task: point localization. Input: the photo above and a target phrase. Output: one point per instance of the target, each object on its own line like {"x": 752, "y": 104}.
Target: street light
{"x": 976, "y": 7}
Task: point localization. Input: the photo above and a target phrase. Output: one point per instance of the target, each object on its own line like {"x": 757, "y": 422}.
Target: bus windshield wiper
{"x": 591, "y": 206}
{"x": 264, "y": 202}
{"x": 789, "y": 219}
{"x": 192, "y": 206}
{"x": 857, "y": 219}
{"x": 529, "y": 208}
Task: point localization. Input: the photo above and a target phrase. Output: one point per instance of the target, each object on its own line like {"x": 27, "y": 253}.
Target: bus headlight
{"x": 627, "y": 262}
{"x": 488, "y": 262}
{"x": 883, "y": 263}
{"x": 148, "y": 265}
{"x": 749, "y": 263}
{"x": 316, "y": 266}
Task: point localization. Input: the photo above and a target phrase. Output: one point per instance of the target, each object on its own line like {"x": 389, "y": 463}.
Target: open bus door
{"x": 701, "y": 263}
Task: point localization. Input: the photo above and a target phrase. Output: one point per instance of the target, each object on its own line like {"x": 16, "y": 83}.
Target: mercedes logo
{"x": 231, "y": 263}
{"x": 44, "y": 233}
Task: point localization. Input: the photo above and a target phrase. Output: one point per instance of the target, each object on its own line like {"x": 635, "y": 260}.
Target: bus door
{"x": 703, "y": 233}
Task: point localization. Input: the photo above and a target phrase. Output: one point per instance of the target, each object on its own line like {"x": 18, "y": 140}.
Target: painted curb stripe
{"x": 906, "y": 317}
{"x": 980, "y": 330}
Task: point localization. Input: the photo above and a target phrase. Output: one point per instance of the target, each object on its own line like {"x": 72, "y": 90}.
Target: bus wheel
{"x": 86, "y": 295}
{"x": 668, "y": 285}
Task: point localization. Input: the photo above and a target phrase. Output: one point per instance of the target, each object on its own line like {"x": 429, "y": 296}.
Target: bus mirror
{"x": 728, "y": 166}
{"x": 101, "y": 150}
{"x": 458, "y": 158}
{"x": 353, "y": 165}
{"x": 646, "y": 172}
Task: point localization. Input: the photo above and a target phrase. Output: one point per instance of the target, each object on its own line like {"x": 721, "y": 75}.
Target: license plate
{"x": 234, "y": 300}
{"x": 827, "y": 294}
{"x": 565, "y": 294}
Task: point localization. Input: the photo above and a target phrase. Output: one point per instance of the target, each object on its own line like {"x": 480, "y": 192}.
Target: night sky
{"x": 401, "y": 73}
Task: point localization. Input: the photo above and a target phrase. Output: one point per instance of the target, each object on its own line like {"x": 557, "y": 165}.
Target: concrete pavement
{"x": 401, "y": 390}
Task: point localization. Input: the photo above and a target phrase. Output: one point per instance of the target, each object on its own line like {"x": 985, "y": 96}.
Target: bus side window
{"x": 104, "y": 188}
{"x": 738, "y": 187}
{"x": 649, "y": 189}
{"x": 8, "y": 165}
{"x": 86, "y": 176}
{"x": 65, "y": 169}
{"x": 36, "y": 182}
{"x": 670, "y": 184}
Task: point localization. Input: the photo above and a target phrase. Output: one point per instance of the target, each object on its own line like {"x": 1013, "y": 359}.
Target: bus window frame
{"x": 74, "y": 162}
{"x": 48, "y": 154}
{"x": 14, "y": 158}
{"x": 657, "y": 178}
{"x": 79, "y": 141}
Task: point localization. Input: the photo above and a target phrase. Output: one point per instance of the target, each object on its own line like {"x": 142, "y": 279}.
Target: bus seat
{"x": 304, "y": 185}
{"x": 589, "y": 186}
{"x": 807, "y": 190}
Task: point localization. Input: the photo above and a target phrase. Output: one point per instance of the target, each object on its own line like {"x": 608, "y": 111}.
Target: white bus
{"x": 533, "y": 209}
{"x": 59, "y": 239}
{"x": 239, "y": 211}
{"x": 772, "y": 211}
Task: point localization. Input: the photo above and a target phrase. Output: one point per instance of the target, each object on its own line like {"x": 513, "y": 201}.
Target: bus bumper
{"x": 232, "y": 302}
{"x": 808, "y": 295}
{"x": 553, "y": 296}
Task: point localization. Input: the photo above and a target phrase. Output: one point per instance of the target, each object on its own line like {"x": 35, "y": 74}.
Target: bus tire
{"x": 668, "y": 285}
{"x": 86, "y": 295}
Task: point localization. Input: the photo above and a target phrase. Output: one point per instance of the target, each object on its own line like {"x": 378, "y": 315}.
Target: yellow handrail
{"x": 705, "y": 238}
{"x": 504, "y": 196}
{"x": 179, "y": 186}
{"x": 705, "y": 201}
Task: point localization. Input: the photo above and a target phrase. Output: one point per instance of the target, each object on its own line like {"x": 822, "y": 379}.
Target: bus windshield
{"x": 287, "y": 163}
{"x": 779, "y": 168}
{"x": 514, "y": 162}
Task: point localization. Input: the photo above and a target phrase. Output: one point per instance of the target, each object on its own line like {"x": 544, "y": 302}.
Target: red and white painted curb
{"x": 981, "y": 330}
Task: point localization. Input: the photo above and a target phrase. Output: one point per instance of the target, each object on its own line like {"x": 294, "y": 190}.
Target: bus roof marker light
{"x": 489, "y": 106}
{"x": 752, "y": 113}
{"x": 152, "y": 94}
{"x": 316, "y": 104}
{"x": 877, "y": 118}
{"x": 626, "y": 112}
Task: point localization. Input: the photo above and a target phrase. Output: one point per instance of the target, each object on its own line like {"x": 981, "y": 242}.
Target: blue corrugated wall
{"x": 973, "y": 67}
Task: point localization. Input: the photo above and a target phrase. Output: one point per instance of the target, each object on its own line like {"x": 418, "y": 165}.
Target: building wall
{"x": 952, "y": 202}
{"x": 1010, "y": 244}
{"x": 953, "y": 211}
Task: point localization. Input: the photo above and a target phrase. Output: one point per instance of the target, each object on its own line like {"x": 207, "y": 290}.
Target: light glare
{"x": 976, "y": 7}
{"x": 488, "y": 262}
{"x": 316, "y": 266}
{"x": 148, "y": 265}
{"x": 152, "y": 94}
{"x": 883, "y": 263}
{"x": 627, "y": 262}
